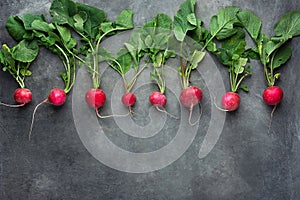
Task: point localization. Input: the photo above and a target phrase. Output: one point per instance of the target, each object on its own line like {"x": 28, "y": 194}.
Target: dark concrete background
{"x": 247, "y": 162}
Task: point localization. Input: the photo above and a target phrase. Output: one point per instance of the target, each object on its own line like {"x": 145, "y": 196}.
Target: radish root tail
{"x": 164, "y": 111}
{"x": 191, "y": 113}
{"x": 271, "y": 118}
{"x": 221, "y": 109}
{"x": 12, "y": 106}
{"x": 109, "y": 116}
{"x": 33, "y": 116}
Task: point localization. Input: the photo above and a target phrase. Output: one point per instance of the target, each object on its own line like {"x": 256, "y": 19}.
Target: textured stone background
{"x": 247, "y": 163}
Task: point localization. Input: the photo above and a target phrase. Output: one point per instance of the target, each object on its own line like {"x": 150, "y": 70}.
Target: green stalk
{"x": 131, "y": 84}
{"x": 95, "y": 77}
{"x": 19, "y": 78}
{"x": 68, "y": 69}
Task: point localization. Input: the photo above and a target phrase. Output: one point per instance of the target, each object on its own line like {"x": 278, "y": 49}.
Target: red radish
{"x": 230, "y": 101}
{"x": 158, "y": 99}
{"x": 22, "y": 95}
{"x": 190, "y": 96}
{"x": 95, "y": 98}
{"x": 129, "y": 99}
{"x": 57, "y": 97}
{"x": 272, "y": 95}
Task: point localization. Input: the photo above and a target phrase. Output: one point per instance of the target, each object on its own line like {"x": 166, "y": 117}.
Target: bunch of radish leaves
{"x": 92, "y": 26}
{"x": 17, "y": 60}
{"x": 273, "y": 51}
{"x": 156, "y": 34}
{"x": 34, "y": 28}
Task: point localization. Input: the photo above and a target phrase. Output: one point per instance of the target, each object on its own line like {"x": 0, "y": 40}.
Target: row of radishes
{"x": 33, "y": 30}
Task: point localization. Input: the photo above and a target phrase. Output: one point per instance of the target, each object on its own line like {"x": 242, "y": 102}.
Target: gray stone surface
{"x": 247, "y": 163}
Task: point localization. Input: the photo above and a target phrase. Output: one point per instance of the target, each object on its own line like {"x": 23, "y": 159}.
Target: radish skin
{"x": 272, "y": 95}
{"x": 157, "y": 99}
{"x": 57, "y": 97}
{"x": 22, "y": 95}
{"x": 190, "y": 96}
{"x": 231, "y": 101}
{"x": 95, "y": 98}
{"x": 128, "y": 99}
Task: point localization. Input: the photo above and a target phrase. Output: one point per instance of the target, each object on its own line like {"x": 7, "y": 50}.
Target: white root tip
{"x": 12, "y": 106}
{"x": 109, "y": 116}
{"x": 33, "y": 115}
{"x": 271, "y": 118}
{"x": 164, "y": 111}
{"x": 191, "y": 113}
{"x": 221, "y": 109}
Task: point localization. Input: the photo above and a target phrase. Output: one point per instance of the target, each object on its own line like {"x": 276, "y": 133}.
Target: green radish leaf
{"x": 148, "y": 41}
{"x": 62, "y": 11}
{"x": 153, "y": 77}
{"x": 161, "y": 21}
{"x": 94, "y": 18}
{"x": 64, "y": 76}
{"x": 192, "y": 19}
{"x": 248, "y": 70}
{"x": 124, "y": 60}
{"x": 6, "y": 56}
{"x": 244, "y": 88}
{"x": 124, "y": 20}
{"x": 25, "y": 72}
{"x": 196, "y": 58}
{"x": 42, "y": 26}
{"x": 15, "y": 27}
{"x": 25, "y": 51}
{"x": 183, "y": 19}
{"x": 29, "y": 18}
{"x": 235, "y": 44}
{"x": 79, "y": 20}
{"x": 239, "y": 65}
{"x": 105, "y": 54}
{"x": 282, "y": 56}
{"x": 288, "y": 25}
{"x": 277, "y": 76}
{"x": 221, "y": 25}
{"x": 64, "y": 33}
{"x": 251, "y": 22}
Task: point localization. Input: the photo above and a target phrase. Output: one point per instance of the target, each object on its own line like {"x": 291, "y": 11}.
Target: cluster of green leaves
{"x": 151, "y": 40}
{"x": 273, "y": 51}
{"x": 156, "y": 35}
{"x": 222, "y": 27}
{"x": 92, "y": 26}
{"x": 233, "y": 53}
{"x": 34, "y": 29}
{"x": 16, "y": 60}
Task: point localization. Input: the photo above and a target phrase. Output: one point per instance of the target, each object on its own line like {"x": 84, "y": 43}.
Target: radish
{"x": 158, "y": 99}
{"x": 128, "y": 99}
{"x": 272, "y": 95}
{"x": 57, "y": 97}
{"x": 230, "y": 101}
{"x": 22, "y": 95}
{"x": 189, "y": 97}
{"x": 95, "y": 98}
